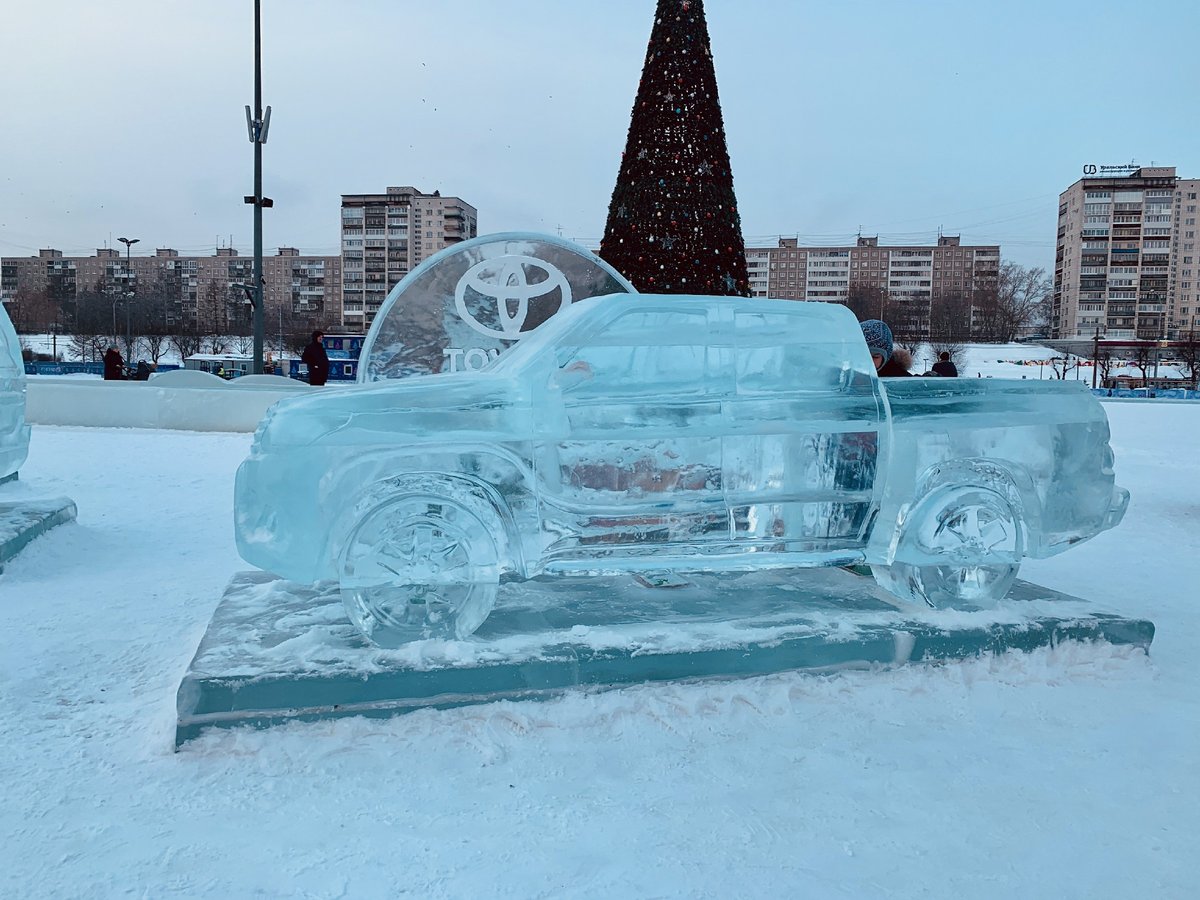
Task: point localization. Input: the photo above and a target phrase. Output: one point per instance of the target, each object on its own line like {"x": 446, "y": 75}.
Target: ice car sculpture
{"x": 14, "y": 433}
{"x": 641, "y": 432}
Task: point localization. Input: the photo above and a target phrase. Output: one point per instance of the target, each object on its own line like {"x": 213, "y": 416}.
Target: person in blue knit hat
{"x": 879, "y": 340}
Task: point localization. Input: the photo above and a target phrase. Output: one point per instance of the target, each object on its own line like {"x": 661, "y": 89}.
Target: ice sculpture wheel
{"x": 976, "y": 531}
{"x": 424, "y": 562}
{"x": 683, "y": 433}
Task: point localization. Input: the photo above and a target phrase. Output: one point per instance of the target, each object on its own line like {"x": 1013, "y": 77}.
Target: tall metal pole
{"x": 128, "y": 242}
{"x": 259, "y": 139}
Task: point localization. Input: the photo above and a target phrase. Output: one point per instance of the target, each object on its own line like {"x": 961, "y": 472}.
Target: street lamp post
{"x": 257, "y": 125}
{"x": 128, "y": 242}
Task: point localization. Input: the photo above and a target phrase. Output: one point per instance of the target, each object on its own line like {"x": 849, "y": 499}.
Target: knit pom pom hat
{"x": 878, "y": 337}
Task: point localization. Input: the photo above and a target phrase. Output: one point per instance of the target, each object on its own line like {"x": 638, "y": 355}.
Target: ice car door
{"x": 638, "y": 470}
{"x": 805, "y": 435}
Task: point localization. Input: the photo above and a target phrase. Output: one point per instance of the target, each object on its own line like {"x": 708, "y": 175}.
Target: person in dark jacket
{"x": 944, "y": 367}
{"x": 114, "y": 365}
{"x": 316, "y": 359}
{"x": 878, "y": 336}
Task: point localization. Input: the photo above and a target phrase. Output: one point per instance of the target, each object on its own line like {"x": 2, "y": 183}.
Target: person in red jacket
{"x": 114, "y": 365}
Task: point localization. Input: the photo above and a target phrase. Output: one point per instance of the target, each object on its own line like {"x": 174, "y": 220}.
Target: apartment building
{"x": 195, "y": 289}
{"x": 385, "y": 236}
{"x": 919, "y": 273}
{"x": 1126, "y": 259}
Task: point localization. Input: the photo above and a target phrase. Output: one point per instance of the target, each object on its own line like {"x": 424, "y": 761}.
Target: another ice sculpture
{"x": 641, "y": 432}
{"x": 14, "y": 433}
{"x": 461, "y": 308}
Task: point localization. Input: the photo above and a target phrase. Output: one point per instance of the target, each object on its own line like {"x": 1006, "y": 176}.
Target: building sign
{"x": 1110, "y": 171}
{"x": 462, "y": 308}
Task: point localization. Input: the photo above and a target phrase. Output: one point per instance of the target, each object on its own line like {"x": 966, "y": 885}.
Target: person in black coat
{"x": 317, "y": 360}
{"x": 944, "y": 367}
{"x": 114, "y": 365}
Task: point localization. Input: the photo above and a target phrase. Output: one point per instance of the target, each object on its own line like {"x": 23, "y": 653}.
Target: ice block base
{"x": 23, "y": 520}
{"x": 277, "y": 651}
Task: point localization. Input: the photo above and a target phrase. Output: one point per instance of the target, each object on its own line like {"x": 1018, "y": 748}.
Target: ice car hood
{"x": 421, "y": 407}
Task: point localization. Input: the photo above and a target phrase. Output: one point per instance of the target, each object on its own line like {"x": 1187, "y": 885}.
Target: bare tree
{"x": 1026, "y": 295}
{"x": 1143, "y": 358}
{"x": 91, "y": 323}
{"x": 187, "y": 338}
{"x": 32, "y": 311}
{"x": 867, "y": 301}
{"x": 128, "y": 343}
{"x": 1018, "y": 299}
{"x": 949, "y": 323}
{"x": 1189, "y": 357}
{"x": 908, "y": 317}
{"x": 1064, "y": 365}
{"x": 156, "y": 346}
{"x": 1104, "y": 361}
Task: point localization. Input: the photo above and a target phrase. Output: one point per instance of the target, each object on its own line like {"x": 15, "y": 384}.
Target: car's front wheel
{"x": 420, "y": 566}
{"x": 972, "y": 540}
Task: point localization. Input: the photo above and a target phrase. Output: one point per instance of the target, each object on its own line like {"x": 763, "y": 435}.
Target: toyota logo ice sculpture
{"x": 638, "y": 432}
{"x": 14, "y": 433}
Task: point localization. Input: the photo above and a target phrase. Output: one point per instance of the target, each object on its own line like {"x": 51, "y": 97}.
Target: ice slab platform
{"x": 23, "y": 520}
{"x": 277, "y": 651}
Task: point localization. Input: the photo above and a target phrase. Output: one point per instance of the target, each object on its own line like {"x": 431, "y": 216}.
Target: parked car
{"x": 638, "y": 432}
{"x": 14, "y": 433}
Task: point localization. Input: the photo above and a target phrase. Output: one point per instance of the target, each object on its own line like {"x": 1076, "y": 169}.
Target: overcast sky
{"x": 899, "y": 118}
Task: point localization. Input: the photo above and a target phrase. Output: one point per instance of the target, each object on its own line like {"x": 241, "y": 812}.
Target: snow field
{"x": 1069, "y": 772}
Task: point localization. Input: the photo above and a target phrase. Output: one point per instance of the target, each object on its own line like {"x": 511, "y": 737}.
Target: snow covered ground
{"x": 1066, "y": 773}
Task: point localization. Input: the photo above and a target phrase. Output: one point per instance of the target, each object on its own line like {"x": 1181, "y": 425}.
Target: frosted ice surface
{"x": 461, "y": 308}
{"x": 640, "y": 433}
{"x": 14, "y": 433}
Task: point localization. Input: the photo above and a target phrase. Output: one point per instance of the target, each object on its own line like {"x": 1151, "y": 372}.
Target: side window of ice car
{"x": 786, "y": 351}
{"x": 641, "y": 351}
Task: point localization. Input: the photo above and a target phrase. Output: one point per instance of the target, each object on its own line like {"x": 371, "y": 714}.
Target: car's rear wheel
{"x": 973, "y": 540}
{"x": 420, "y": 566}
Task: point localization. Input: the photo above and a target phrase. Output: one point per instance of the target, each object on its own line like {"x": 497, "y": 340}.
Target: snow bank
{"x": 181, "y": 400}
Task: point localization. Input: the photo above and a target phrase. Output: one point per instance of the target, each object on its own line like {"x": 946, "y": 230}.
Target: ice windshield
{"x": 553, "y": 333}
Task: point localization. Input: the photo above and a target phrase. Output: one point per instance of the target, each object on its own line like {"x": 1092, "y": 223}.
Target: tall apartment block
{"x": 196, "y": 289}
{"x": 386, "y": 236}
{"x": 921, "y": 273}
{"x": 1126, "y": 260}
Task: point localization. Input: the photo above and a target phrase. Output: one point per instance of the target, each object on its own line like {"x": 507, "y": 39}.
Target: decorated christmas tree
{"x": 673, "y": 225}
